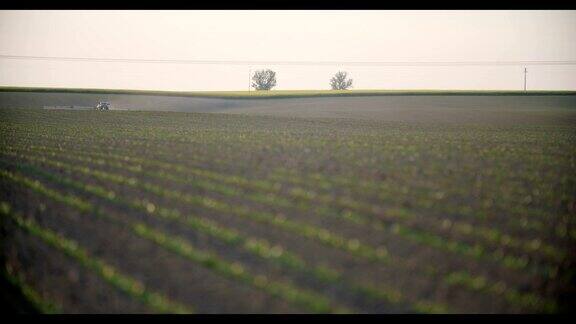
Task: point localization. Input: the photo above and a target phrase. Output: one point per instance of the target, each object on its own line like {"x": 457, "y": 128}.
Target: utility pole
{"x": 525, "y": 75}
{"x": 249, "y": 76}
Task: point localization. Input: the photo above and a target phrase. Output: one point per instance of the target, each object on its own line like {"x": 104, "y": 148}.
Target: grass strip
{"x": 293, "y": 93}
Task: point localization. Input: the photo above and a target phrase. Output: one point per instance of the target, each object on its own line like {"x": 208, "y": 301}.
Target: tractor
{"x": 103, "y": 105}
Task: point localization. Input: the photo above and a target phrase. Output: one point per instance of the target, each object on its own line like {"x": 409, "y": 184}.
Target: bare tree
{"x": 264, "y": 80}
{"x": 339, "y": 82}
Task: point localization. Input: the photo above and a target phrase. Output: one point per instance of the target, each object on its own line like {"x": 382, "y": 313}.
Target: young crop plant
{"x": 71, "y": 248}
{"x": 304, "y": 230}
{"x": 528, "y": 300}
{"x": 32, "y": 296}
{"x": 385, "y": 193}
{"x": 236, "y": 271}
{"x": 471, "y": 217}
{"x": 320, "y": 234}
{"x": 287, "y": 291}
{"x": 490, "y": 235}
{"x": 427, "y": 238}
{"x": 259, "y": 247}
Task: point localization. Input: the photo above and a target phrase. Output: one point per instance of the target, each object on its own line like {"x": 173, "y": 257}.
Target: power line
{"x": 247, "y": 62}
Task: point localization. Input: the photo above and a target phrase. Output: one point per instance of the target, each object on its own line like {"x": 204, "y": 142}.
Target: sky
{"x": 342, "y": 36}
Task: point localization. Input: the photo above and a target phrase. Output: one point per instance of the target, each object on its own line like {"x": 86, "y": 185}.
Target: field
{"x": 467, "y": 207}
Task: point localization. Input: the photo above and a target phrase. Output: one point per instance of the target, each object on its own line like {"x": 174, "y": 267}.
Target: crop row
{"x": 121, "y": 281}
{"x": 143, "y": 142}
{"x": 257, "y": 246}
{"x": 353, "y": 207}
{"x": 32, "y": 296}
{"x": 489, "y": 234}
{"x": 421, "y": 237}
{"x": 387, "y": 193}
{"x": 306, "y": 231}
{"x": 312, "y": 199}
{"x": 184, "y": 248}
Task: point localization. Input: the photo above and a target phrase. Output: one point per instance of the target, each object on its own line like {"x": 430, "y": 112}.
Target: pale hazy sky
{"x": 287, "y": 36}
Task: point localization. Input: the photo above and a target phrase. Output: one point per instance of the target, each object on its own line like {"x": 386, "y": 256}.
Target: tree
{"x": 339, "y": 82}
{"x": 264, "y": 80}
